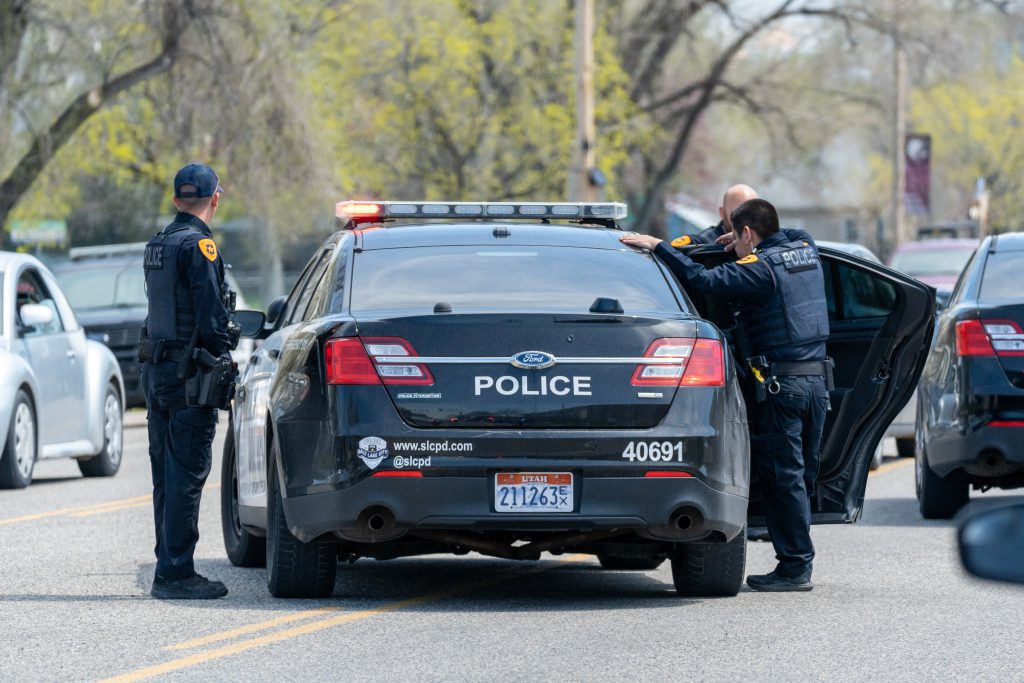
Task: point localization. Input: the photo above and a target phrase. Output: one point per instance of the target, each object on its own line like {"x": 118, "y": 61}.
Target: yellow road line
{"x": 95, "y": 509}
{"x": 890, "y": 466}
{"x": 315, "y": 626}
{"x": 251, "y": 628}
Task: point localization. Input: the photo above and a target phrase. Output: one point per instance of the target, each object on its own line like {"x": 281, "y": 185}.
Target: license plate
{"x": 533, "y": 492}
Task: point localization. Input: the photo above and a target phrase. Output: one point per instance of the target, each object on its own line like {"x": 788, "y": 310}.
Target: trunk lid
{"x": 523, "y": 370}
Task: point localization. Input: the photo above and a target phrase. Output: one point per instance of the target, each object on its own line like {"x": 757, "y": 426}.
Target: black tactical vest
{"x": 171, "y": 314}
{"x": 796, "y": 315}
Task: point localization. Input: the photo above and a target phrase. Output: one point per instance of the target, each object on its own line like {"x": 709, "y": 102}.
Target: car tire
{"x": 878, "y": 457}
{"x": 243, "y": 548}
{"x": 107, "y": 462}
{"x": 20, "y": 450}
{"x": 704, "y": 570}
{"x": 905, "y": 447}
{"x": 295, "y": 569}
{"x": 939, "y": 497}
{"x": 630, "y": 563}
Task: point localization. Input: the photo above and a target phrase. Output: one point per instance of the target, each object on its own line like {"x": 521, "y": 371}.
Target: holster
{"x": 213, "y": 383}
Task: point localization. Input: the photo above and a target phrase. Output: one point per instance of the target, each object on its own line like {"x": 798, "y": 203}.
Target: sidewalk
{"x": 135, "y": 418}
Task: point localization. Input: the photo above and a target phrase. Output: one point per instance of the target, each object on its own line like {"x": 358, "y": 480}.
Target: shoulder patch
{"x": 683, "y": 241}
{"x": 747, "y": 259}
{"x": 209, "y": 248}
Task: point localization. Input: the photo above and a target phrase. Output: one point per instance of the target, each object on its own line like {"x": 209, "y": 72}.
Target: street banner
{"x": 916, "y": 195}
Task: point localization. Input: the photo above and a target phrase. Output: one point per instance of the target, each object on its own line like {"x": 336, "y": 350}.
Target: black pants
{"x": 785, "y": 445}
{"x": 179, "y": 454}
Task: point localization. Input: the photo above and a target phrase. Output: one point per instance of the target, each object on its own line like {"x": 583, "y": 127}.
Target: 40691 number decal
{"x": 653, "y": 451}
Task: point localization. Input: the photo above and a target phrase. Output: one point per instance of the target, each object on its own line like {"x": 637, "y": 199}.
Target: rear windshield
{"x": 945, "y": 261}
{"x": 115, "y": 287}
{"x": 1001, "y": 279}
{"x": 508, "y": 279}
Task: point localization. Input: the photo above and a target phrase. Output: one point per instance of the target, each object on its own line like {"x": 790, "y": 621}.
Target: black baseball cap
{"x": 201, "y": 177}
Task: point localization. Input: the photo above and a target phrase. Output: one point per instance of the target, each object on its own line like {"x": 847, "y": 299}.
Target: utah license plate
{"x": 533, "y": 492}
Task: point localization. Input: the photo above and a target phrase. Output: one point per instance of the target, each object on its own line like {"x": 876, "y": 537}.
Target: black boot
{"x": 195, "y": 587}
{"x": 777, "y": 583}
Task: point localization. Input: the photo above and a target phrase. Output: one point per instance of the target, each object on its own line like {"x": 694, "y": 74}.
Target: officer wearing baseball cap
{"x": 188, "y": 316}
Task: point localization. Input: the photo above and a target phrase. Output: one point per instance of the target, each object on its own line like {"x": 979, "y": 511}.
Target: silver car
{"x": 61, "y": 395}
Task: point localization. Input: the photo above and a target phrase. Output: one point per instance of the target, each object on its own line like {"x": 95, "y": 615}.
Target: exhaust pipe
{"x": 374, "y": 524}
{"x": 684, "y": 524}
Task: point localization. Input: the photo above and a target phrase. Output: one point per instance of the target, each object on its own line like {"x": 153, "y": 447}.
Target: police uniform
{"x": 705, "y": 236}
{"x": 184, "y": 284}
{"x": 780, "y": 296}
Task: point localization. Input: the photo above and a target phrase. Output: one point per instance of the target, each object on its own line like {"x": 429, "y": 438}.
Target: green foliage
{"x": 976, "y": 123}
{"x": 461, "y": 100}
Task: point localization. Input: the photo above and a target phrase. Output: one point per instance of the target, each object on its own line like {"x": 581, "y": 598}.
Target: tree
{"x": 976, "y": 123}
{"x": 43, "y": 46}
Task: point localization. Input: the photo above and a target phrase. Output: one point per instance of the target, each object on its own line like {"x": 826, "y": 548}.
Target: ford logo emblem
{"x": 532, "y": 360}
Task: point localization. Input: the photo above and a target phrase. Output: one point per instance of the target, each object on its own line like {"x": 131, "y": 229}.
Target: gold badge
{"x": 683, "y": 241}
{"x": 747, "y": 259}
{"x": 209, "y": 249}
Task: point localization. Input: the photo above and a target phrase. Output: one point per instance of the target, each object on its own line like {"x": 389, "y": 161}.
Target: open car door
{"x": 880, "y": 329}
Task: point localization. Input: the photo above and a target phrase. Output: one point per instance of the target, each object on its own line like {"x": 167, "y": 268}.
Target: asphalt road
{"x": 890, "y": 603}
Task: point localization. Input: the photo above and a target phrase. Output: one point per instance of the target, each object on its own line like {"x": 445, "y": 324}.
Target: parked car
{"x": 513, "y": 385}
{"x": 970, "y": 419}
{"x": 106, "y": 287}
{"x": 858, "y": 250}
{"x": 935, "y": 262}
{"x": 61, "y": 395}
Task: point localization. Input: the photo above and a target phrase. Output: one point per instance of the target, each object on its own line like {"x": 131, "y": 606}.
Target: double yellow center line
{"x": 329, "y": 619}
{"x": 89, "y": 510}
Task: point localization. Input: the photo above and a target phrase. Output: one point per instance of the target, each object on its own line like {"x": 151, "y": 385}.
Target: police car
{"x": 509, "y": 379}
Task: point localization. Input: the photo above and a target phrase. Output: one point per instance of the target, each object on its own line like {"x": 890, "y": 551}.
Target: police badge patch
{"x": 372, "y": 451}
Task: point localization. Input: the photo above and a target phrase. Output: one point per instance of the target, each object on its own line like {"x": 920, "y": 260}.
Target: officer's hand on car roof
{"x": 633, "y": 239}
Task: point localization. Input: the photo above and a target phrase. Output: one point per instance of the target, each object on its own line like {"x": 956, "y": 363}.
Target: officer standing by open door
{"x": 778, "y": 285}
{"x": 187, "y": 375}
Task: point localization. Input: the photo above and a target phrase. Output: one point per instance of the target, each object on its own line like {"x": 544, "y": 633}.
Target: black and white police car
{"x": 509, "y": 379}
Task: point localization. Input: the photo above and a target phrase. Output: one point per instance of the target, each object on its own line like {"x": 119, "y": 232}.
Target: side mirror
{"x": 35, "y": 315}
{"x": 251, "y": 322}
{"x": 275, "y": 309}
{"x": 992, "y": 544}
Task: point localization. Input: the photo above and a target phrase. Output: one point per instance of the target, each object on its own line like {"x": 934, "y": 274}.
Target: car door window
{"x": 958, "y": 290}
{"x": 863, "y": 295}
{"x": 322, "y": 291}
{"x": 31, "y": 290}
{"x": 295, "y": 294}
{"x": 297, "y": 312}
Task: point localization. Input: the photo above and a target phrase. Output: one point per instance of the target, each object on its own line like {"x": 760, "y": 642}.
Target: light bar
{"x": 362, "y": 211}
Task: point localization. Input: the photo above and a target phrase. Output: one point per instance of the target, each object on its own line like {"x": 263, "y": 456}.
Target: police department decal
{"x": 372, "y": 451}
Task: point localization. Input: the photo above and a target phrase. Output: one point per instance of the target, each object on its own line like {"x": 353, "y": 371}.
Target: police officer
{"x": 778, "y": 287}
{"x": 733, "y": 197}
{"x": 184, "y": 284}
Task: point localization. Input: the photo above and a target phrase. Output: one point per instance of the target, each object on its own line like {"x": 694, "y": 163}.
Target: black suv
{"x": 505, "y": 384}
{"x": 971, "y": 398}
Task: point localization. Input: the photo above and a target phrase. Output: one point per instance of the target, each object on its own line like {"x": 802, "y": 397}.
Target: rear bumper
{"x": 630, "y": 504}
{"x": 984, "y": 452}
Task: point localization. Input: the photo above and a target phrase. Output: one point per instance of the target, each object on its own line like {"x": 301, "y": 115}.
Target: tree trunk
{"x": 177, "y": 15}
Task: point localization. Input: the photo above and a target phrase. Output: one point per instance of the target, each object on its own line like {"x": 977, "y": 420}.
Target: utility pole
{"x": 899, "y": 137}
{"x": 581, "y": 189}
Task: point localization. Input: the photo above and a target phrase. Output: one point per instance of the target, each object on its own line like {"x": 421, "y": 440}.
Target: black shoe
{"x": 777, "y": 583}
{"x": 758, "y": 533}
{"x": 195, "y": 587}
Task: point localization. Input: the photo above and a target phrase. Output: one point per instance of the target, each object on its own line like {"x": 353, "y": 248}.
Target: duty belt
{"x": 767, "y": 373}
{"x": 821, "y": 368}
{"x": 156, "y": 350}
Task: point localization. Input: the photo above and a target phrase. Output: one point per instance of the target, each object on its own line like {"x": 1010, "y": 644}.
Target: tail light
{"x": 373, "y": 360}
{"x": 698, "y": 363}
{"x": 989, "y": 338}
